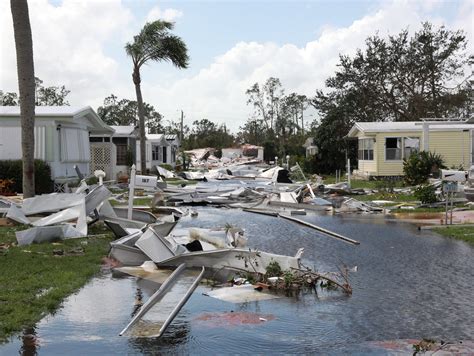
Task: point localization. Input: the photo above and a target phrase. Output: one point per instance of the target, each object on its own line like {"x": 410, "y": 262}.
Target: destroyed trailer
{"x": 216, "y": 253}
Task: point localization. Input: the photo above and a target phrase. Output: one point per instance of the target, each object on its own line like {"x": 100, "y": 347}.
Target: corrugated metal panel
{"x": 40, "y": 142}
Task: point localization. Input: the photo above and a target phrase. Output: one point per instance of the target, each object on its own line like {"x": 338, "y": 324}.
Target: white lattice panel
{"x": 101, "y": 158}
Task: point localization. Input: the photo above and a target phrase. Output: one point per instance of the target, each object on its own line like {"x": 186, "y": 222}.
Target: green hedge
{"x": 12, "y": 169}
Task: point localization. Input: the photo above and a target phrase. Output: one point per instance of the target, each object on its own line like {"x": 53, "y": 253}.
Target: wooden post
{"x": 349, "y": 173}
{"x": 446, "y": 215}
{"x": 452, "y": 207}
{"x": 131, "y": 192}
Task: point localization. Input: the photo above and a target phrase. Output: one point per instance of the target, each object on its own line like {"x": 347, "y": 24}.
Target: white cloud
{"x": 218, "y": 91}
{"x": 170, "y": 14}
{"x": 69, "y": 46}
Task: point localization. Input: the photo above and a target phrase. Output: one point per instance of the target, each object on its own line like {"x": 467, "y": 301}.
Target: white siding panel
{"x": 40, "y": 142}
{"x": 10, "y": 142}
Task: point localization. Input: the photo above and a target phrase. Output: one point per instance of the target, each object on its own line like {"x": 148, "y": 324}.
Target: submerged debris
{"x": 233, "y": 319}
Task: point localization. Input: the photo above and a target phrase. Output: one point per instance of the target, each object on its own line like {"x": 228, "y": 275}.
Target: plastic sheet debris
{"x": 241, "y": 294}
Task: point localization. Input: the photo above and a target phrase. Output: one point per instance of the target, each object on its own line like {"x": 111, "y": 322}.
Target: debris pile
{"x": 151, "y": 243}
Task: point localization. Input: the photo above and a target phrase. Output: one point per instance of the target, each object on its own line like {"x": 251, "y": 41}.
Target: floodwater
{"x": 408, "y": 285}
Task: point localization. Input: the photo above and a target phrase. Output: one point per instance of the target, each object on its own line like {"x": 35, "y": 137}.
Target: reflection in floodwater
{"x": 30, "y": 343}
{"x": 176, "y": 334}
{"x": 138, "y": 302}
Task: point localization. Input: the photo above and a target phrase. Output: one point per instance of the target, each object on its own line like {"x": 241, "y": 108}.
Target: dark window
{"x": 96, "y": 139}
{"x": 393, "y": 148}
{"x": 120, "y": 140}
{"x": 164, "y": 155}
{"x": 155, "y": 153}
{"x": 121, "y": 155}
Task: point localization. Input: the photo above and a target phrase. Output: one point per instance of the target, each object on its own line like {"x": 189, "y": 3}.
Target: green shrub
{"x": 13, "y": 169}
{"x": 387, "y": 184}
{"x": 169, "y": 167}
{"x": 426, "y": 194}
{"x": 92, "y": 180}
{"x": 420, "y": 165}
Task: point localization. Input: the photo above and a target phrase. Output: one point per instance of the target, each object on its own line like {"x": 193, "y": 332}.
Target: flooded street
{"x": 408, "y": 285}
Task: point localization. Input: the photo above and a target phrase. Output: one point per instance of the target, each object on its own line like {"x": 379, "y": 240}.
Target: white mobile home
{"x": 115, "y": 152}
{"x": 61, "y": 136}
{"x": 158, "y": 151}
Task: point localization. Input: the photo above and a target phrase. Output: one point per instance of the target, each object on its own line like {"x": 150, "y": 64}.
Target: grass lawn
{"x": 34, "y": 281}
{"x": 395, "y": 197}
{"x": 464, "y": 233}
{"x": 136, "y": 202}
{"x": 363, "y": 183}
{"x": 179, "y": 181}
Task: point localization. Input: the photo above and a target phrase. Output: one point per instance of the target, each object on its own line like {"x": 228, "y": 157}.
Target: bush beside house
{"x": 12, "y": 169}
{"x": 420, "y": 165}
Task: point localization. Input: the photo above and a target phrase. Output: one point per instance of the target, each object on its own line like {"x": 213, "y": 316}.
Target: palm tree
{"x": 153, "y": 43}
{"x": 26, "y": 86}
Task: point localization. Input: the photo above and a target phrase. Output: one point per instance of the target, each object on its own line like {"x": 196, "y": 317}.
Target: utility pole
{"x": 181, "y": 141}
{"x": 302, "y": 118}
{"x": 181, "y": 135}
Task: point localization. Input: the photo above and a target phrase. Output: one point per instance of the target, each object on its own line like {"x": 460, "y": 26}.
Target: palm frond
{"x": 156, "y": 43}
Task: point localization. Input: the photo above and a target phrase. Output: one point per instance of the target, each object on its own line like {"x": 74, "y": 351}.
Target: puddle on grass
{"x": 408, "y": 285}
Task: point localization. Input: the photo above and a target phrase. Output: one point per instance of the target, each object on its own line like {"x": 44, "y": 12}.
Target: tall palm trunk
{"x": 141, "y": 118}
{"x": 26, "y": 86}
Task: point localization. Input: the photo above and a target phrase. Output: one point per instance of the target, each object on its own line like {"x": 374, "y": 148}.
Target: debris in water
{"x": 233, "y": 318}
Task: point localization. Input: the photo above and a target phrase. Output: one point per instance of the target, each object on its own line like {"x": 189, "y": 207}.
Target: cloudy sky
{"x": 232, "y": 44}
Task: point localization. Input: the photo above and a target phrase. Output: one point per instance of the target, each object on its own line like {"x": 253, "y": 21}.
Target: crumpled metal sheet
{"x": 47, "y": 233}
{"x": 96, "y": 197}
{"x": 158, "y": 248}
{"x": 164, "y": 172}
{"x": 76, "y": 212}
{"x": 16, "y": 214}
{"x": 51, "y": 202}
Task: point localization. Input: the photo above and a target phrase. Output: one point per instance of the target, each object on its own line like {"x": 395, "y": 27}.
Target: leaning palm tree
{"x": 153, "y": 43}
{"x": 26, "y": 86}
